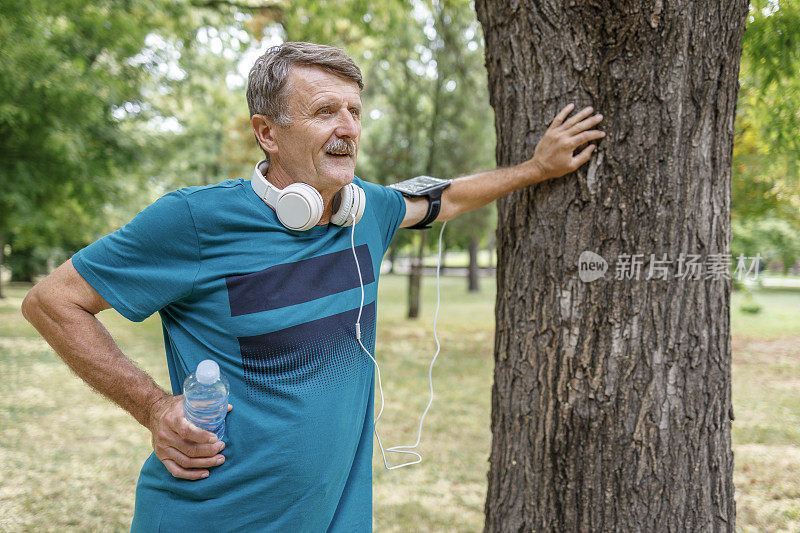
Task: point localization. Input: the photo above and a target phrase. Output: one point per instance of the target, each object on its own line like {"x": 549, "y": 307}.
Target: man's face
{"x": 325, "y": 112}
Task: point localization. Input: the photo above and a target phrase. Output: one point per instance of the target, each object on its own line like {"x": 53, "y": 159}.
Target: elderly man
{"x": 259, "y": 276}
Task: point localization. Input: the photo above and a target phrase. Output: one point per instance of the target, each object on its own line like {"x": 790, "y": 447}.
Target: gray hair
{"x": 266, "y": 84}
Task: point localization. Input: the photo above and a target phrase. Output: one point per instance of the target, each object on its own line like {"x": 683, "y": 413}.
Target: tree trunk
{"x": 392, "y": 259}
{"x": 490, "y": 245}
{"x": 472, "y": 271}
{"x": 415, "y": 278}
{"x": 611, "y": 406}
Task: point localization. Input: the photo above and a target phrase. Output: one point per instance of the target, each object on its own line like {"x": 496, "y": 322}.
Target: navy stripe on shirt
{"x": 298, "y": 282}
{"x": 307, "y": 356}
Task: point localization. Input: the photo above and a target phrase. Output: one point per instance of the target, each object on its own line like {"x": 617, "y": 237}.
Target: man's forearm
{"x": 89, "y": 350}
{"x": 476, "y": 190}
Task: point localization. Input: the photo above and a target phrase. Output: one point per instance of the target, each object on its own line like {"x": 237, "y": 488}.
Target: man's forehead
{"x": 307, "y": 83}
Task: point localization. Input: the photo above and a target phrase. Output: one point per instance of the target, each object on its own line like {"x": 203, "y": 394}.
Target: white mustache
{"x": 342, "y": 145}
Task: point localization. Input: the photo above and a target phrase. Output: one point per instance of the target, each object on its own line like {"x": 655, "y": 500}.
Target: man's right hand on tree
{"x": 185, "y": 450}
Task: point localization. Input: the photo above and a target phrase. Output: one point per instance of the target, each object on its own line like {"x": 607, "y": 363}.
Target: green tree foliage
{"x": 64, "y": 70}
{"x": 468, "y": 141}
{"x": 766, "y": 157}
{"x": 200, "y": 104}
{"x": 106, "y": 106}
{"x": 774, "y": 239}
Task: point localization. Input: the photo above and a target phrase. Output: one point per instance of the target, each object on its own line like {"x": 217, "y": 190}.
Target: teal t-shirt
{"x": 276, "y": 309}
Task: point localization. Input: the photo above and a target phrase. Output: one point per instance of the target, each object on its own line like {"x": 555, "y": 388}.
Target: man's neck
{"x": 281, "y": 179}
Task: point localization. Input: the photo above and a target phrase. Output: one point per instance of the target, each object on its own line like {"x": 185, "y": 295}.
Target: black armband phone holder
{"x": 424, "y": 187}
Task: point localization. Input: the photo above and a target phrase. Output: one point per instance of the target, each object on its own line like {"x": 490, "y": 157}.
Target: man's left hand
{"x": 553, "y": 155}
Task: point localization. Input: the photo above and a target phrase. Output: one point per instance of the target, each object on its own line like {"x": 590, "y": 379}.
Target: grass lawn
{"x": 71, "y": 458}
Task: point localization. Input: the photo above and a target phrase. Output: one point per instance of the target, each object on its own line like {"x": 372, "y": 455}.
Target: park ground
{"x": 71, "y": 459}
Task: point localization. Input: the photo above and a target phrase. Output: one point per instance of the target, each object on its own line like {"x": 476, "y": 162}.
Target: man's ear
{"x": 264, "y": 130}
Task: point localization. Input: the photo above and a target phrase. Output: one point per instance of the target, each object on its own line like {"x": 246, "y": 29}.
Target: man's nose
{"x": 348, "y": 125}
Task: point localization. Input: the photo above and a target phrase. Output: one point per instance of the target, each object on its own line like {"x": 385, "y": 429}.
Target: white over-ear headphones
{"x": 299, "y": 206}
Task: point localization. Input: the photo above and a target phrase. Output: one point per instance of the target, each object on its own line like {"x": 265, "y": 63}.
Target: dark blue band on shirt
{"x": 309, "y": 355}
{"x": 298, "y": 282}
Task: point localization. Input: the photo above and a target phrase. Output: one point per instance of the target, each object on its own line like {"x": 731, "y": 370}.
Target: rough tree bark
{"x": 611, "y": 408}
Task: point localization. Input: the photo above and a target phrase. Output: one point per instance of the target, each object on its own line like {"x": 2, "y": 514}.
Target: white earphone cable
{"x": 398, "y": 449}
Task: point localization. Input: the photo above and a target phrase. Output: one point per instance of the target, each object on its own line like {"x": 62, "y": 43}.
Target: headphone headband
{"x": 262, "y": 187}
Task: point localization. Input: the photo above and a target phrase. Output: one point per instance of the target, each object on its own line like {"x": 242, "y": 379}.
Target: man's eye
{"x": 356, "y": 113}
{"x": 325, "y": 110}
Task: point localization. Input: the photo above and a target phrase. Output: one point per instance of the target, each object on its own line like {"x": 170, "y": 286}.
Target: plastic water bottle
{"x": 205, "y": 398}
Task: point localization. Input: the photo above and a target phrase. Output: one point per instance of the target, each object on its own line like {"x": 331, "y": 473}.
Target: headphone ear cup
{"x": 352, "y": 203}
{"x": 299, "y": 207}
{"x": 360, "y": 203}
{"x": 345, "y": 197}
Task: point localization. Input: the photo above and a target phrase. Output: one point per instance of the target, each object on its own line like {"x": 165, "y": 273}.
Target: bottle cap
{"x": 207, "y": 372}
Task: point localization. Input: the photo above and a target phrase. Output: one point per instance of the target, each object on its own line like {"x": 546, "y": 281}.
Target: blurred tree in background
{"x": 425, "y": 96}
{"x": 774, "y": 239}
{"x": 64, "y": 70}
{"x": 766, "y": 154}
